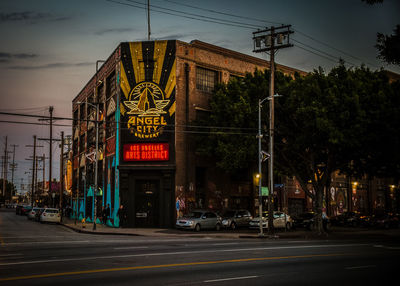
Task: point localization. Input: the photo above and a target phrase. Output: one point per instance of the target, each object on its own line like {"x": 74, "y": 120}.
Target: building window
{"x": 206, "y": 79}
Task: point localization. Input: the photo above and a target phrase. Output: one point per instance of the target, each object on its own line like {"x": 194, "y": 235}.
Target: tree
{"x": 10, "y": 190}
{"x": 388, "y": 46}
{"x": 324, "y": 123}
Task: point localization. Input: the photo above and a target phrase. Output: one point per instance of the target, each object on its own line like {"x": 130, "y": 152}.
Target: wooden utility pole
{"x": 33, "y": 169}
{"x": 61, "y": 170}
{"x": 13, "y": 167}
{"x": 5, "y": 169}
{"x": 271, "y": 40}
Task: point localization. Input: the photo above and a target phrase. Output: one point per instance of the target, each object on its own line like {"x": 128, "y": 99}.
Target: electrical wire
{"x": 296, "y": 30}
{"x": 223, "y": 13}
{"x": 183, "y": 16}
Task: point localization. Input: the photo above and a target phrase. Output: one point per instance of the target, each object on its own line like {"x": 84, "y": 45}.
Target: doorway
{"x": 146, "y": 203}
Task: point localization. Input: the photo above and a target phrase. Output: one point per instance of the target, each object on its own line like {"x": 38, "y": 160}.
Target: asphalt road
{"x": 48, "y": 254}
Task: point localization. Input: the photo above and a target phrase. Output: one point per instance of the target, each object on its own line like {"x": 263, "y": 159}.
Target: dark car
{"x": 386, "y": 221}
{"x": 25, "y": 210}
{"x": 236, "y": 218}
{"x": 347, "y": 219}
{"x": 307, "y": 221}
{"x": 18, "y": 209}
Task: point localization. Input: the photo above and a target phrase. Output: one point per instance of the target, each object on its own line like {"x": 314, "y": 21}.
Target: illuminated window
{"x": 206, "y": 79}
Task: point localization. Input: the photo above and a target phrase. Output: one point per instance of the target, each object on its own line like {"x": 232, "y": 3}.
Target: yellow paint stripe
{"x": 172, "y": 109}
{"x": 171, "y": 81}
{"x": 137, "y": 58}
{"x": 165, "y": 266}
{"x": 159, "y": 56}
{"x": 124, "y": 83}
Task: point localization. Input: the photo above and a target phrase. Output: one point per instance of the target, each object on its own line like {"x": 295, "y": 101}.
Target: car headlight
{"x": 190, "y": 222}
{"x": 225, "y": 222}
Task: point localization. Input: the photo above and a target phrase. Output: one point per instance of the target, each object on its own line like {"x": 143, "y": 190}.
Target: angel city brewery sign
{"x": 146, "y": 105}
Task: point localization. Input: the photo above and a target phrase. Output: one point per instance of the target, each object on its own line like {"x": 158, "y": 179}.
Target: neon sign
{"x": 146, "y": 152}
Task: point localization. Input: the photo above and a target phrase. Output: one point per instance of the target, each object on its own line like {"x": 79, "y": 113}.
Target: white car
{"x": 50, "y": 215}
{"x": 281, "y": 220}
{"x": 33, "y": 213}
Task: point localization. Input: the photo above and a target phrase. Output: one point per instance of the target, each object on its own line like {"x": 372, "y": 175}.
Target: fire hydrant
{"x": 83, "y": 223}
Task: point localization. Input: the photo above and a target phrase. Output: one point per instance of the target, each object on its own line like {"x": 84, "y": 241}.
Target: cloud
{"x": 7, "y": 56}
{"x": 30, "y": 17}
{"x": 114, "y": 30}
{"x": 51, "y": 66}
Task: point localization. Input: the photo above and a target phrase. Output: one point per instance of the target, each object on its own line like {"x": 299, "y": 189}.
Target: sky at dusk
{"x": 49, "y": 48}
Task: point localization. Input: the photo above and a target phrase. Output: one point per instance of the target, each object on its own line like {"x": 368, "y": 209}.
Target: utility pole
{"x": 5, "y": 168}
{"x": 61, "y": 171}
{"x": 50, "y": 145}
{"x": 13, "y": 167}
{"x": 267, "y": 38}
{"x": 148, "y": 20}
{"x": 33, "y": 169}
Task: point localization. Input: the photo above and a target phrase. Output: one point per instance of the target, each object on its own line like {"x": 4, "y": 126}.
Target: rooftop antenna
{"x": 148, "y": 20}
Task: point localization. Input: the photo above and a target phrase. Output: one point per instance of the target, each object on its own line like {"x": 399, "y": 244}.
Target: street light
{"x": 261, "y": 158}
{"x": 96, "y": 162}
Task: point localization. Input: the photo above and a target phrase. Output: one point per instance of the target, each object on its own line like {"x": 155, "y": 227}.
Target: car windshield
{"x": 52, "y": 211}
{"x": 229, "y": 213}
{"x": 195, "y": 215}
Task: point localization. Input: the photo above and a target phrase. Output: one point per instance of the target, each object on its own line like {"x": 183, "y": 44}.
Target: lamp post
{"x": 261, "y": 158}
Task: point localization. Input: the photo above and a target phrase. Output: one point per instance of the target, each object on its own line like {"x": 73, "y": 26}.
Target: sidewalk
{"x": 334, "y": 233}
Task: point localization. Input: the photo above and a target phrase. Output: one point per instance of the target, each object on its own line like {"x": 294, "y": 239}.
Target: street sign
{"x": 264, "y": 191}
{"x": 264, "y": 156}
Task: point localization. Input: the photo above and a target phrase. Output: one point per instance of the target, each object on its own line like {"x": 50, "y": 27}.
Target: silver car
{"x": 236, "y": 218}
{"x": 198, "y": 220}
{"x": 281, "y": 220}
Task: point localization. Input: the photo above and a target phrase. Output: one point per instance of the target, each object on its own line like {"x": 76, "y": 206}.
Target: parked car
{"x": 33, "y": 213}
{"x": 18, "y": 209}
{"x": 348, "y": 219}
{"x": 281, "y": 220}
{"x": 236, "y": 218}
{"x": 387, "y": 221}
{"x": 307, "y": 221}
{"x": 50, "y": 215}
{"x": 25, "y": 210}
{"x": 198, "y": 220}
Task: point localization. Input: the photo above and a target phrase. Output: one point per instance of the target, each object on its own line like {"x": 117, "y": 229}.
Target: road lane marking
{"x": 175, "y": 253}
{"x": 130, "y": 247}
{"x": 70, "y": 273}
{"x": 227, "y": 243}
{"x": 229, "y": 279}
{"x": 360, "y": 267}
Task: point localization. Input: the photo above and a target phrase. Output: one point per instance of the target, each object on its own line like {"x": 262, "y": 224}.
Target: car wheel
{"x": 233, "y": 226}
{"x": 218, "y": 227}
{"x": 288, "y": 226}
{"x": 197, "y": 227}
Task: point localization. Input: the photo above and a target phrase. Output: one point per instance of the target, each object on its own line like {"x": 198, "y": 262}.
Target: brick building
{"x": 146, "y": 93}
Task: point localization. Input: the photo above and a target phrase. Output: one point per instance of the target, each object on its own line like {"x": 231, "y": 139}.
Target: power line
{"x": 221, "y": 22}
{"x": 297, "y": 31}
{"x": 223, "y": 13}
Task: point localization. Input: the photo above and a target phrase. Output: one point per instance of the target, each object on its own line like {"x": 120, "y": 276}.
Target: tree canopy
{"x": 347, "y": 120}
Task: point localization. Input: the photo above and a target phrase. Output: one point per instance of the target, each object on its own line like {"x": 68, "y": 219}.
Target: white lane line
{"x": 229, "y": 279}
{"x": 178, "y": 253}
{"x": 360, "y": 267}
{"x": 130, "y": 247}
